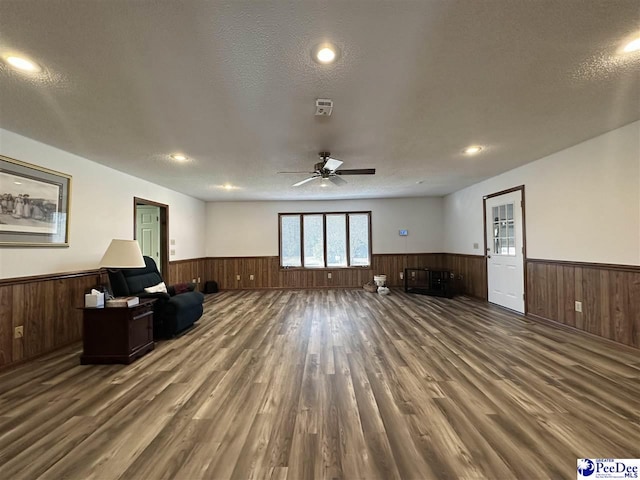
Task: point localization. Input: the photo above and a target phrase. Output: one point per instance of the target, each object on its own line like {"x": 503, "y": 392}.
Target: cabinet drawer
{"x": 140, "y": 331}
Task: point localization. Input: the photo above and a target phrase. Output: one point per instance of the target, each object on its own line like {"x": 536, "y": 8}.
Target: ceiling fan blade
{"x": 337, "y": 180}
{"x": 332, "y": 164}
{"x": 298, "y": 172}
{"x": 357, "y": 171}
{"x": 302, "y": 182}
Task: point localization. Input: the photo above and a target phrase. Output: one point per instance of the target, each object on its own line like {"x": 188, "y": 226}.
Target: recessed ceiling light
{"x": 632, "y": 46}
{"x": 23, "y": 64}
{"x": 179, "y": 157}
{"x": 325, "y": 53}
{"x": 18, "y": 183}
{"x": 472, "y": 150}
{"x": 227, "y": 187}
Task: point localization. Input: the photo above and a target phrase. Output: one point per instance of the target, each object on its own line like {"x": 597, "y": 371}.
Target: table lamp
{"x": 122, "y": 254}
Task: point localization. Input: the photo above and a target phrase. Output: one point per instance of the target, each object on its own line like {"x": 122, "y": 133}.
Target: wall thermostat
{"x": 404, "y": 233}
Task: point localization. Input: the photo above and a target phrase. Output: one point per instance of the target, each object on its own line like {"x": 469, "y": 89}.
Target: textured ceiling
{"x": 232, "y": 84}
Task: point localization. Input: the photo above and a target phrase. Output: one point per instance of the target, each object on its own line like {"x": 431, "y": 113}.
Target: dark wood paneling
{"x": 53, "y": 276}
{"x": 47, "y": 309}
{"x": 184, "y": 271}
{"x": 6, "y": 324}
{"x": 600, "y": 266}
{"x": 470, "y": 271}
{"x": 609, "y": 295}
{"x": 268, "y": 274}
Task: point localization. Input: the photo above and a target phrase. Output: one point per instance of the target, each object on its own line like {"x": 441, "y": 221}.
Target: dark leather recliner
{"x": 173, "y": 313}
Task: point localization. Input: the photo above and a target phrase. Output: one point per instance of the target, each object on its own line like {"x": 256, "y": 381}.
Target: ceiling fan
{"x": 328, "y": 167}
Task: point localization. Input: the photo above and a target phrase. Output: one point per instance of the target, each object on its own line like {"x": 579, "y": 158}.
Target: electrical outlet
{"x": 250, "y": 277}
{"x": 579, "y": 307}
{"x": 476, "y": 246}
{"x": 173, "y": 241}
{"x": 401, "y": 275}
{"x": 172, "y": 252}
{"x": 237, "y": 277}
{"x": 18, "y": 332}
{"x": 329, "y": 275}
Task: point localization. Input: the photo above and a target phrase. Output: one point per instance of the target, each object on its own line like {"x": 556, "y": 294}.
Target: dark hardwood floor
{"x": 333, "y": 384}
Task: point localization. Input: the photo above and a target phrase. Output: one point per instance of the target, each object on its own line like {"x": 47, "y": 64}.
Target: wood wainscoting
{"x": 184, "y": 271}
{"x": 267, "y": 273}
{"x": 46, "y": 306}
{"x": 610, "y": 296}
{"x": 471, "y": 271}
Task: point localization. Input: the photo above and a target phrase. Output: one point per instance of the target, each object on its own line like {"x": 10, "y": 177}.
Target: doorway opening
{"x": 505, "y": 248}
{"x": 151, "y": 230}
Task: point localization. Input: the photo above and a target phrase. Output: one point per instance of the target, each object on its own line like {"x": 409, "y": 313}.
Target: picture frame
{"x": 34, "y": 205}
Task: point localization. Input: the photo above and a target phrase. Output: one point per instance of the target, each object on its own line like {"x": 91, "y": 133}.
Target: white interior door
{"x": 505, "y": 251}
{"x": 148, "y": 231}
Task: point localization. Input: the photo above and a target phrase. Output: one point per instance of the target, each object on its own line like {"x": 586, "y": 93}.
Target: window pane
{"x": 503, "y": 212}
{"x": 510, "y": 211}
{"x": 290, "y": 241}
{"x": 359, "y": 239}
{"x": 313, "y": 241}
{"x": 336, "y": 240}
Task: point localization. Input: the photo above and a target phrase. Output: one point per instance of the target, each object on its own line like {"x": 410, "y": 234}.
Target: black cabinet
{"x": 429, "y": 282}
{"x": 117, "y": 334}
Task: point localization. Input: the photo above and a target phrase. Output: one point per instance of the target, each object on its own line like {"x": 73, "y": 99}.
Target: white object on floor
{"x": 383, "y": 290}
{"x": 380, "y": 280}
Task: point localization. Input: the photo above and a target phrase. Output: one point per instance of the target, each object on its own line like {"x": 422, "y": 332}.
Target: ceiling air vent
{"x": 324, "y": 106}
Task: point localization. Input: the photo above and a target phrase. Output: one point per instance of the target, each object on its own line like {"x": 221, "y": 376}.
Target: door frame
{"x": 524, "y": 238}
{"x": 164, "y": 230}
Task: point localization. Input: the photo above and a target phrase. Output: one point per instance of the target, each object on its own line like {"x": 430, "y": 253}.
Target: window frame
{"x": 324, "y": 240}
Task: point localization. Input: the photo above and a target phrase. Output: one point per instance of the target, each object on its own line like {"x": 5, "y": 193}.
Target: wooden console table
{"x": 117, "y": 334}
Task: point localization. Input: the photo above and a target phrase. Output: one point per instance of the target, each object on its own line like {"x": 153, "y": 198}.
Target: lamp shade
{"x": 122, "y": 254}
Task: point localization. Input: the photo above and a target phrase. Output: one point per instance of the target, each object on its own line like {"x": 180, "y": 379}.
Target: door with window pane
{"x": 505, "y": 247}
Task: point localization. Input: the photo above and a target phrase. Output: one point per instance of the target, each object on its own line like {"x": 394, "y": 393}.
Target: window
{"x": 325, "y": 240}
{"x": 504, "y": 238}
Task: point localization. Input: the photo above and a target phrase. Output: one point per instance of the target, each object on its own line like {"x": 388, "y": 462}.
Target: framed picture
{"x": 34, "y": 205}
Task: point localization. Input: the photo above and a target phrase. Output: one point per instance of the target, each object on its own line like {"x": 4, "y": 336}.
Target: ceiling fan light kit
{"x": 328, "y": 167}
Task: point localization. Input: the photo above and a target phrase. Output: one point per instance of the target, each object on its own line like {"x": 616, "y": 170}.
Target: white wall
{"x": 101, "y": 209}
{"x": 251, "y": 228}
{"x": 582, "y": 203}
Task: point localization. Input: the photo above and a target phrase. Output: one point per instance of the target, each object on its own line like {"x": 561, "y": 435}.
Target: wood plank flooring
{"x": 335, "y": 384}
